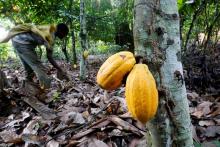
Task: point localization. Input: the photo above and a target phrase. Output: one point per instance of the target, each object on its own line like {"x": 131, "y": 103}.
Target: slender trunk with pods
{"x": 157, "y": 38}
{"x": 83, "y": 39}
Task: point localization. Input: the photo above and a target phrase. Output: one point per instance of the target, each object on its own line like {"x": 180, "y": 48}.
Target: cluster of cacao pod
{"x": 140, "y": 91}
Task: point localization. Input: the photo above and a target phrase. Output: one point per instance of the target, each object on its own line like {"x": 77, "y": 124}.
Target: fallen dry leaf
{"x": 139, "y": 125}
{"x": 215, "y": 110}
{"x": 34, "y": 139}
{"x": 192, "y": 95}
{"x": 67, "y": 109}
{"x": 202, "y": 109}
{"x": 212, "y": 131}
{"x": 53, "y": 143}
{"x": 73, "y": 117}
{"x": 217, "y": 121}
{"x": 206, "y": 123}
{"x": 13, "y": 123}
{"x": 138, "y": 142}
{"x": 123, "y": 105}
{"x": 125, "y": 125}
{"x": 115, "y": 132}
{"x": 82, "y": 134}
{"x": 10, "y": 136}
{"x": 99, "y": 125}
{"x": 195, "y": 137}
{"x": 96, "y": 99}
{"x": 32, "y": 127}
{"x": 96, "y": 143}
{"x": 200, "y": 131}
{"x": 198, "y": 114}
{"x": 83, "y": 142}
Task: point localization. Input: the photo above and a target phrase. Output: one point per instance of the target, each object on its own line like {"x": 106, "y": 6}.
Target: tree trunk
{"x": 74, "y": 62}
{"x": 195, "y": 16}
{"x": 5, "y": 102}
{"x": 3, "y": 81}
{"x": 73, "y": 42}
{"x": 83, "y": 39}
{"x": 216, "y": 40}
{"x": 210, "y": 30}
{"x": 157, "y": 37}
{"x": 64, "y": 49}
{"x": 190, "y": 30}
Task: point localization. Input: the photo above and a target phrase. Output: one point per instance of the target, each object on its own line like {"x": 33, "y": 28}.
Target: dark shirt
{"x": 29, "y": 39}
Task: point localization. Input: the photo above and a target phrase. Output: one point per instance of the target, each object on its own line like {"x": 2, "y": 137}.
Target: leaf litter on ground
{"x": 71, "y": 113}
{"x": 77, "y": 113}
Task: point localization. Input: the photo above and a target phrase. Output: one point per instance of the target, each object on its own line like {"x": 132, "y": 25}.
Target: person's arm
{"x": 51, "y": 60}
{"x": 60, "y": 73}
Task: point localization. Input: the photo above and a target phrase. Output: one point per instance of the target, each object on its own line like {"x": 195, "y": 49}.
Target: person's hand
{"x": 45, "y": 83}
{"x": 62, "y": 75}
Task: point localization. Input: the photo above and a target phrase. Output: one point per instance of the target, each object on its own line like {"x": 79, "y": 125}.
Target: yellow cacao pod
{"x": 141, "y": 93}
{"x": 113, "y": 70}
{"x": 15, "y": 8}
{"x": 85, "y": 54}
{"x": 75, "y": 66}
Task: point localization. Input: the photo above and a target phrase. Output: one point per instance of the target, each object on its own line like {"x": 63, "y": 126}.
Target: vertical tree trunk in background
{"x": 157, "y": 38}
{"x": 191, "y": 28}
{"x": 74, "y": 62}
{"x": 3, "y": 81}
{"x": 210, "y": 30}
{"x": 195, "y": 16}
{"x": 216, "y": 40}
{"x": 83, "y": 39}
{"x": 64, "y": 43}
{"x": 70, "y": 21}
{"x": 5, "y": 102}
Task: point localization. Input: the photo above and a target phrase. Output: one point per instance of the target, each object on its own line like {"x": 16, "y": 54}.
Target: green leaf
{"x": 180, "y": 4}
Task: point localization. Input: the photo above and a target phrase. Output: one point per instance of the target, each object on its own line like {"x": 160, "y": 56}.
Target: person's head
{"x": 62, "y": 30}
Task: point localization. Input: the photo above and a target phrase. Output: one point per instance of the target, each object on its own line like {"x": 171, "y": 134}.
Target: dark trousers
{"x": 31, "y": 63}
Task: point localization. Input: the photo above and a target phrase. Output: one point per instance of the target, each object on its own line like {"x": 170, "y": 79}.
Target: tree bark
{"x": 210, "y": 28}
{"x": 70, "y": 21}
{"x": 157, "y": 38}
{"x": 3, "y": 82}
{"x": 73, "y": 47}
{"x": 83, "y": 39}
{"x": 64, "y": 49}
{"x": 195, "y": 15}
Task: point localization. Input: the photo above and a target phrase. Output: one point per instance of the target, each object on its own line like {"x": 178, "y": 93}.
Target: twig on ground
{"x": 87, "y": 125}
